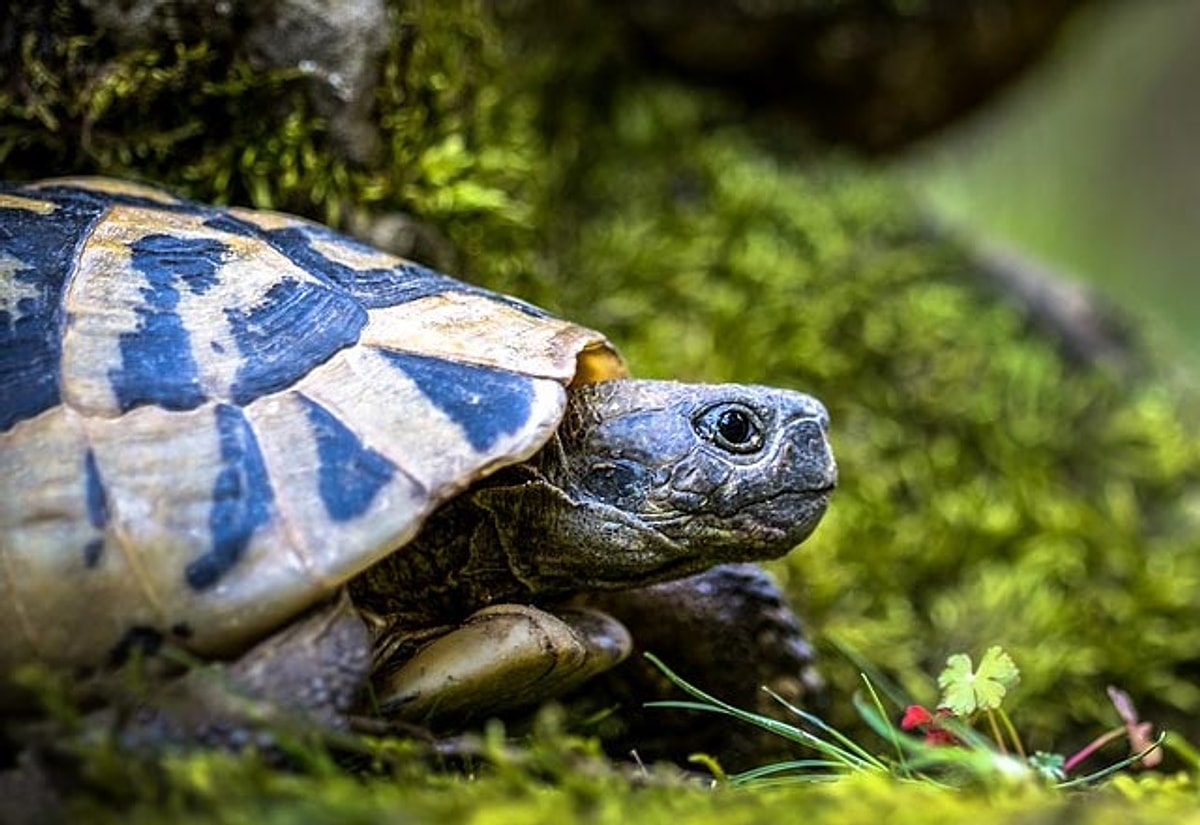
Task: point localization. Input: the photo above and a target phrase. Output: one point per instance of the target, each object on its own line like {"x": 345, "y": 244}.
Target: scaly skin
{"x": 645, "y": 481}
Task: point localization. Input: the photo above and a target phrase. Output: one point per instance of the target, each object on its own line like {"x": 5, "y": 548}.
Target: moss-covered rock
{"x": 992, "y": 492}
{"x": 200, "y": 108}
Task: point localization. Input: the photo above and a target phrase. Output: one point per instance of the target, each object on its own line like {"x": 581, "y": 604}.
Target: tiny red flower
{"x": 916, "y": 717}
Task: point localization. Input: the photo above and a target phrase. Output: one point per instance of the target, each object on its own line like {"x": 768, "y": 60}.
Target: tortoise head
{"x": 661, "y": 479}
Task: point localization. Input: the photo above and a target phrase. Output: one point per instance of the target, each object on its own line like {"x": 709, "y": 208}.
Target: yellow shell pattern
{"x": 212, "y": 418}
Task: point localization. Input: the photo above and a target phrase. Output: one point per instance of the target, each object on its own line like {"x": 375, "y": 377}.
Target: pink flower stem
{"x": 1095, "y": 745}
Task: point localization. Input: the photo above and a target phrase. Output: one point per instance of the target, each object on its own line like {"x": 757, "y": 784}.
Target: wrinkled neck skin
{"x": 642, "y": 483}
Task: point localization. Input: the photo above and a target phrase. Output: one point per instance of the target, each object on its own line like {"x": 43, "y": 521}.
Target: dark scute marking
{"x": 30, "y": 342}
{"x": 138, "y": 640}
{"x": 224, "y": 222}
{"x": 298, "y": 326}
{"x": 157, "y": 362}
{"x": 101, "y": 199}
{"x": 93, "y": 551}
{"x": 374, "y": 287}
{"x": 242, "y": 499}
{"x": 487, "y": 403}
{"x": 377, "y": 287}
{"x": 97, "y": 508}
{"x": 181, "y": 630}
{"x": 164, "y": 258}
{"x": 350, "y": 474}
{"x": 96, "y": 496}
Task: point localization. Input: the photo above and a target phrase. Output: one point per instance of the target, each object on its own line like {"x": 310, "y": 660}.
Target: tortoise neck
{"x": 458, "y": 563}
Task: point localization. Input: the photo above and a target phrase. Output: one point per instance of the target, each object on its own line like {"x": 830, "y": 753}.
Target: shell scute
{"x": 157, "y": 365}
{"x": 165, "y": 310}
{"x": 486, "y": 403}
{"x": 37, "y": 254}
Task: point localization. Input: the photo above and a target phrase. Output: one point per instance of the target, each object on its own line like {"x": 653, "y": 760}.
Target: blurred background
{"x": 1091, "y": 162}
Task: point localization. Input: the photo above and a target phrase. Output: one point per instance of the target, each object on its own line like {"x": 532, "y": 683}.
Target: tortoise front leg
{"x": 310, "y": 672}
{"x": 316, "y": 666}
{"x": 502, "y": 657}
{"x": 728, "y": 630}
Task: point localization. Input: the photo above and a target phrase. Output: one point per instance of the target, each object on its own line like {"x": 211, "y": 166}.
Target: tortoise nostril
{"x": 807, "y": 446}
{"x": 809, "y": 434}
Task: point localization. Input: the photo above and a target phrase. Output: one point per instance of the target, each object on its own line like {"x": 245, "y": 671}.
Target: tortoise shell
{"x": 211, "y": 418}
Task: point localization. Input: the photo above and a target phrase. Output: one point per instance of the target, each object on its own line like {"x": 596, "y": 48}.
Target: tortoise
{"x": 244, "y": 435}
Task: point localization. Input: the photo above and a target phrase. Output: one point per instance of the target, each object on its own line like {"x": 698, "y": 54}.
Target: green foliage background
{"x": 992, "y": 493}
{"x": 1087, "y": 164}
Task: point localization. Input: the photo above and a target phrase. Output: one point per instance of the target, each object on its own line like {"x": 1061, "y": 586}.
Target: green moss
{"x": 566, "y": 787}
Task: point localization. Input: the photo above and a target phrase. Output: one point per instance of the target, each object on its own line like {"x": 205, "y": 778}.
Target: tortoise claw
{"x": 500, "y": 658}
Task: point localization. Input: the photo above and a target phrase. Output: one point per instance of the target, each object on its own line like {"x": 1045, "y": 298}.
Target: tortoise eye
{"x": 732, "y": 427}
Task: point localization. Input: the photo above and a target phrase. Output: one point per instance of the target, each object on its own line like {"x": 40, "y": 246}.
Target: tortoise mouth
{"x": 706, "y": 543}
